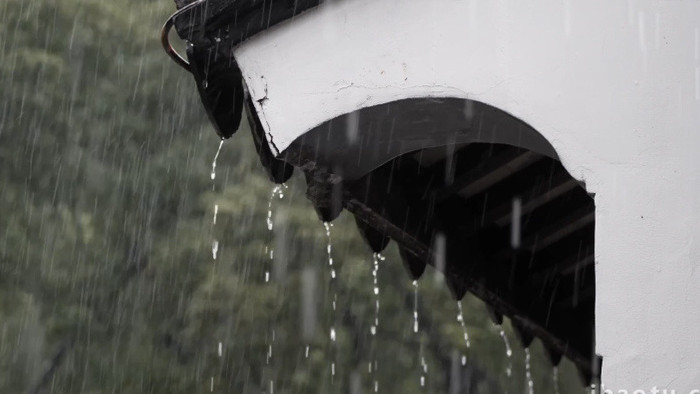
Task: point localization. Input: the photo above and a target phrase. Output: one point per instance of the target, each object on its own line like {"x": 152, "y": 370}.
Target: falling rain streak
{"x": 515, "y": 223}
{"x": 439, "y": 256}
{"x": 309, "y": 282}
{"x": 214, "y": 249}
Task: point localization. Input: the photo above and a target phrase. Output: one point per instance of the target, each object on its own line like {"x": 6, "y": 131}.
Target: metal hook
{"x": 165, "y": 41}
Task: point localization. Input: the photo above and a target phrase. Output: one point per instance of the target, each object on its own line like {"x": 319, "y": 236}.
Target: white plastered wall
{"x": 613, "y": 85}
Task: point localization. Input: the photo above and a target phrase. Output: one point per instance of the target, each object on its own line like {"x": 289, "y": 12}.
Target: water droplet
{"x": 214, "y": 248}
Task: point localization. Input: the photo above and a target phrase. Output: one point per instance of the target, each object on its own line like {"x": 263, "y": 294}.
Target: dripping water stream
{"x": 213, "y": 163}
{"x": 509, "y": 352}
{"x": 334, "y": 294}
{"x": 424, "y": 367}
{"x": 465, "y": 336}
{"x": 215, "y": 242}
{"x": 528, "y": 372}
{"x": 277, "y": 192}
{"x": 415, "y": 307}
{"x": 376, "y": 258}
{"x": 423, "y": 371}
{"x": 375, "y": 273}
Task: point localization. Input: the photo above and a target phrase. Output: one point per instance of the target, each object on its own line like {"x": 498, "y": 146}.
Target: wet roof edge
{"x": 234, "y": 21}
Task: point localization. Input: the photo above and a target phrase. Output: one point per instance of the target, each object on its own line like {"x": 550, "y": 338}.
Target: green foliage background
{"x": 107, "y": 281}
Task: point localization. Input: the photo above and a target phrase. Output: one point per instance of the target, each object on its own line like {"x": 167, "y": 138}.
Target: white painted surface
{"x": 614, "y": 86}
